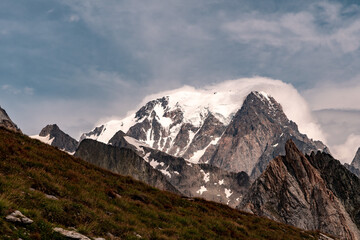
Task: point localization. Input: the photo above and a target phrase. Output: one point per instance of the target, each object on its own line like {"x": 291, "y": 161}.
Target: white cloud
{"x": 16, "y": 91}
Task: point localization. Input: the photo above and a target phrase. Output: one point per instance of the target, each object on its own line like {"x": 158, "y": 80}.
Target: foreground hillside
{"x": 55, "y": 189}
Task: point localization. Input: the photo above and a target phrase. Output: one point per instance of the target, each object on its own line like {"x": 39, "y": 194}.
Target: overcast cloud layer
{"x": 73, "y": 62}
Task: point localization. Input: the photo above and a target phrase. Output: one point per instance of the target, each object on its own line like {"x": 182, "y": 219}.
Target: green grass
{"x": 97, "y": 202}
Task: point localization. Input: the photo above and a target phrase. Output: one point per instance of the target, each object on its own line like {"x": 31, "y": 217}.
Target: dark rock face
{"x": 60, "y": 140}
{"x": 256, "y": 135}
{"x": 344, "y": 184}
{"x": 6, "y": 122}
{"x": 122, "y": 161}
{"x": 293, "y": 191}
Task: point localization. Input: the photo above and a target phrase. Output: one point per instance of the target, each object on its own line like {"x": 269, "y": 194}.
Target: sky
{"x": 75, "y": 62}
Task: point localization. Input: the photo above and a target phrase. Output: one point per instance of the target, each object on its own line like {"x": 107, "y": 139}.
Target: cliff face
{"x": 256, "y": 135}
{"x": 192, "y": 180}
{"x": 6, "y": 122}
{"x": 293, "y": 191}
{"x": 122, "y": 161}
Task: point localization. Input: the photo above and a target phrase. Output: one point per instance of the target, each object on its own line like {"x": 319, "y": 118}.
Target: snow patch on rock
{"x": 201, "y": 190}
{"x": 228, "y": 192}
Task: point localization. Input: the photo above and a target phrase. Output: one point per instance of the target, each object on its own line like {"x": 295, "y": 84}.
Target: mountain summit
{"x": 6, "y": 122}
{"x": 52, "y": 135}
{"x": 256, "y": 135}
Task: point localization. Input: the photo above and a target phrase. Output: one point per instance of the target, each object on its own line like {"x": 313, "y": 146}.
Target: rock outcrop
{"x": 71, "y": 234}
{"x": 293, "y": 191}
{"x": 6, "y": 122}
{"x": 18, "y": 217}
{"x": 54, "y": 136}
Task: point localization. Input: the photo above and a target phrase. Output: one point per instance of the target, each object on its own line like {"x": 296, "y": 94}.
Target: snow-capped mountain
{"x": 257, "y": 134}
{"x": 199, "y": 126}
{"x": 54, "y": 136}
{"x": 6, "y": 122}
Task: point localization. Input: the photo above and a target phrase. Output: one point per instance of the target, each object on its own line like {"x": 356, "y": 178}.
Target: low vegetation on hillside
{"x": 57, "y": 190}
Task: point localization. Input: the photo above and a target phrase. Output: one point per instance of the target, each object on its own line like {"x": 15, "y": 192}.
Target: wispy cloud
{"x": 322, "y": 25}
{"x": 346, "y": 152}
{"x": 74, "y": 18}
{"x": 17, "y": 91}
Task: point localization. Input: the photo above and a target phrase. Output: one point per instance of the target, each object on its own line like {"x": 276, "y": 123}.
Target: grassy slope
{"x": 96, "y": 202}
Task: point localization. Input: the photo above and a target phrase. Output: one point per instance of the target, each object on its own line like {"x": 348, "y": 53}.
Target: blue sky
{"x": 74, "y": 62}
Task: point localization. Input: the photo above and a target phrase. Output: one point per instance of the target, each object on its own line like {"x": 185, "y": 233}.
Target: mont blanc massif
{"x": 232, "y": 143}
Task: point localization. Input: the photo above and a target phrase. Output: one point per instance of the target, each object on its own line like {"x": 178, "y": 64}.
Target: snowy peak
{"x": 54, "y": 136}
{"x": 6, "y": 122}
{"x": 262, "y": 103}
{"x": 157, "y": 106}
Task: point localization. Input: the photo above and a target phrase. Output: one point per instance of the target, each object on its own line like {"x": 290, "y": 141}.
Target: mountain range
{"x": 247, "y": 154}
{"x": 48, "y": 194}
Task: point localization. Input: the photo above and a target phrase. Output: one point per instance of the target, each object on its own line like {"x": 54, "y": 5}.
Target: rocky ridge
{"x": 293, "y": 191}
